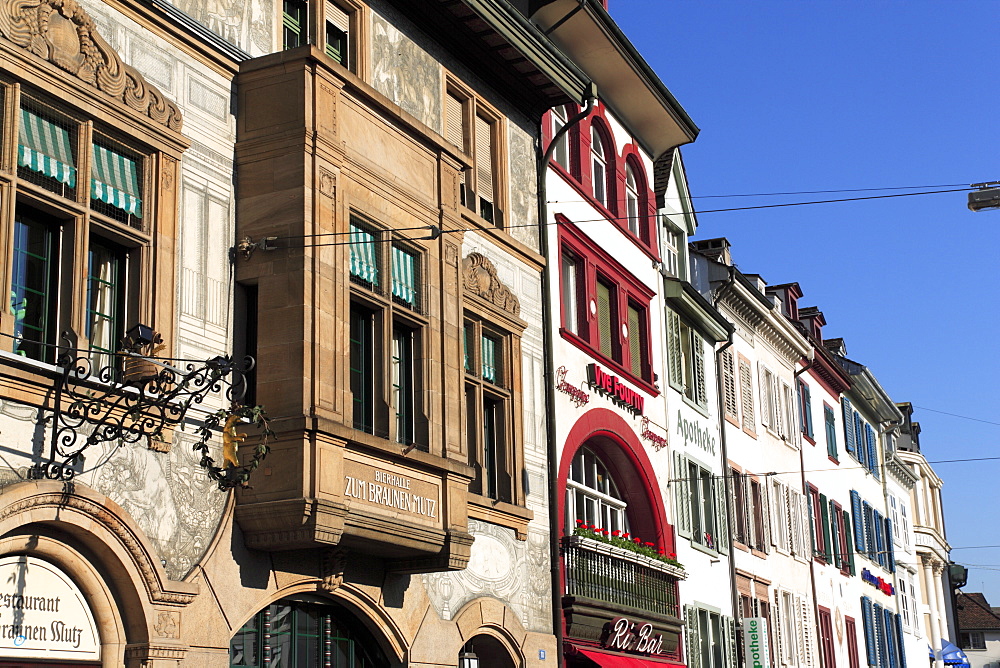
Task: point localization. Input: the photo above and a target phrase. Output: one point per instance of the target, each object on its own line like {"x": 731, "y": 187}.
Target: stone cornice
{"x": 777, "y": 333}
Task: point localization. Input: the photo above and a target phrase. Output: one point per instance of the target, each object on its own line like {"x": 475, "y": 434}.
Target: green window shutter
{"x": 721, "y": 515}
{"x": 364, "y": 260}
{"x": 404, "y": 276}
{"x": 44, "y": 147}
{"x": 729, "y": 624}
{"x": 635, "y": 340}
{"x": 869, "y": 624}
{"x": 692, "y": 643}
{"x": 835, "y": 528}
{"x": 676, "y": 366}
{"x": 682, "y": 496}
{"x": 849, "y": 440}
{"x": 831, "y": 431}
{"x": 807, "y": 411}
{"x": 700, "y": 382}
{"x": 850, "y": 543}
{"x": 604, "y": 324}
{"x": 114, "y": 180}
{"x": 824, "y": 509}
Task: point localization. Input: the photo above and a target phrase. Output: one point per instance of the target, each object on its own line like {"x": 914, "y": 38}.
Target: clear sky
{"x": 823, "y": 95}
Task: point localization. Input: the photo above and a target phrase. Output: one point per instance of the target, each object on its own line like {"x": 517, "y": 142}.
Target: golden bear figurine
{"x": 231, "y": 441}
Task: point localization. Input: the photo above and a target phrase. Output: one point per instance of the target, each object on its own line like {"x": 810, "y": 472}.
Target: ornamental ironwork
{"x": 136, "y": 397}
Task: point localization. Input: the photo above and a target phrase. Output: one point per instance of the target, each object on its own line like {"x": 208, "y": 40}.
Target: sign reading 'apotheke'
{"x": 755, "y": 646}
{"x": 620, "y": 393}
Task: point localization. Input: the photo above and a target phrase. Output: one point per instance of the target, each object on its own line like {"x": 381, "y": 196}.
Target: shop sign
{"x": 387, "y": 489}
{"x": 43, "y": 614}
{"x": 629, "y": 636}
{"x": 691, "y": 432}
{"x": 755, "y": 647}
{"x": 659, "y": 441}
{"x": 577, "y": 395}
{"x": 877, "y": 582}
{"x": 611, "y": 387}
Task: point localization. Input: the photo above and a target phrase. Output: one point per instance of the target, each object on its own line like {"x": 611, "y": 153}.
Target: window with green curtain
{"x": 404, "y": 277}
{"x": 33, "y": 288}
{"x": 44, "y": 147}
{"x": 605, "y": 333}
{"x": 103, "y": 296}
{"x": 364, "y": 257}
{"x": 489, "y": 347}
{"x": 114, "y": 180}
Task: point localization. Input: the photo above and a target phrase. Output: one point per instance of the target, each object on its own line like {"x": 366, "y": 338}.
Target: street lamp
{"x": 467, "y": 659}
{"x": 986, "y": 198}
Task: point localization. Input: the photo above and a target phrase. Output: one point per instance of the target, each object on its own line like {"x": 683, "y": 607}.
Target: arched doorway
{"x": 305, "y": 632}
{"x": 485, "y": 651}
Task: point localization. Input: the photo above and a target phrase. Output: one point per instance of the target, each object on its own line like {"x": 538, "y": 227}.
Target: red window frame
{"x": 850, "y": 630}
{"x": 593, "y": 265}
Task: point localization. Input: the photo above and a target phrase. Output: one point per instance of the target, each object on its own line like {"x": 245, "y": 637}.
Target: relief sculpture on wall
{"x": 62, "y": 33}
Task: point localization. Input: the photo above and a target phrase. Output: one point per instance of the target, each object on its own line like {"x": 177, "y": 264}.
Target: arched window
{"x": 298, "y": 634}
{"x": 592, "y": 495}
{"x": 631, "y": 200}
{"x": 561, "y": 152}
{"x": 599, "y": 166}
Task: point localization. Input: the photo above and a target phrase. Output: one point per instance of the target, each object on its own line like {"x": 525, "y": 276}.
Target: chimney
{"x": 715, "y": 249}
{"x": 836, "y": 346}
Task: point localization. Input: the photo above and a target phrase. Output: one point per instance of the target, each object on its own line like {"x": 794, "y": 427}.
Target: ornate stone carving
{"x": 327, "y": 183}
{"x": 168, "y": 625}
{"x": 62, "y": 33}
{"x": 332, "y": 568}
{"x": 481, "y": 279}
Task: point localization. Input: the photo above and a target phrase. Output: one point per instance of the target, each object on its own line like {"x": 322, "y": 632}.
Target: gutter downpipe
{"x": 550, "y": 373}
{"x": 724, "y": 449}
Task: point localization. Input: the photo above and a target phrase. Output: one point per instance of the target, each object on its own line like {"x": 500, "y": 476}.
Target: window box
{"x": 597, "y": 547}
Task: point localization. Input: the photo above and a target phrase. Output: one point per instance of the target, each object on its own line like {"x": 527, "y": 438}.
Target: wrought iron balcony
{"x": 614, "y": 575}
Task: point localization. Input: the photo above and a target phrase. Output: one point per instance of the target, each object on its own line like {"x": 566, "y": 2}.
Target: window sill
{"x": 833, "y": 459}
{"x": 712, "y": 552}
{"x": 733, "y": 421}
{"x": 612, "y": 365}
{"x": 751, "y": 434}
{"x": 758, "y": 553}
{"x": 808, "y": 439}
{"x": 703, "y": 410}
{"x": 504, "y": 514}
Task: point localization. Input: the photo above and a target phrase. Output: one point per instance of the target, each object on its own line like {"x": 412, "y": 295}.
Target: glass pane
{"x": 491, "y": 465}
{"x": 490, "y": 347}
{"x": 402, "y": 383}
{"x": 102, "y": 304}
{"x": 570, "y": 294}
{"x": 243, "y": 648}
{"x": 362, "y": 370}
{"x": 307, "y": 632}
{"x": 32, "y": 296}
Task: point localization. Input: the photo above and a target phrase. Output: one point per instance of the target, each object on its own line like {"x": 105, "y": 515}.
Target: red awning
{"x": 608, "y": 660}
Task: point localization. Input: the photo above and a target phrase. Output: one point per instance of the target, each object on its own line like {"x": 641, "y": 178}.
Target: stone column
{"x": 942, "y": 607}
{"x": 928, "y": 584}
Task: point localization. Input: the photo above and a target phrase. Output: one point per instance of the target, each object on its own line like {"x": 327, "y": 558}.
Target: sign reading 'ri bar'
{"x": 755, "y": 647}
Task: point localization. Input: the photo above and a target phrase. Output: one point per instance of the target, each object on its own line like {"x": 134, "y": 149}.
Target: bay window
{"x": 385, "y": 335}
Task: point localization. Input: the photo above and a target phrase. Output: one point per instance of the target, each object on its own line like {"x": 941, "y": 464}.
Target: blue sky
{"x": 794, "y": 96}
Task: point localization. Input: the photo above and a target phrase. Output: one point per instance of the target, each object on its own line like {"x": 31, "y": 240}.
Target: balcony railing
{"x": 608, "y": 573}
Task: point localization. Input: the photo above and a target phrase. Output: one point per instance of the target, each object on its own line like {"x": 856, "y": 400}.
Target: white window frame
{"x": 598, "y": 164}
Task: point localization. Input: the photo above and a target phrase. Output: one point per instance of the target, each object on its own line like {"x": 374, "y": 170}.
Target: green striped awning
{"x": 364, "y": 261}
{"x": 45, "y": 147}
{"x": 404, "y": 276}
{"x": 114, "y": 180}
{"x": 489, "y": 359}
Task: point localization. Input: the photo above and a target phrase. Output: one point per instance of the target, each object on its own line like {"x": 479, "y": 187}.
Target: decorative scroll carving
{"x": 61, "y": 32}
{"x": 332, "y": 568}
{"x": 481, "y": 279}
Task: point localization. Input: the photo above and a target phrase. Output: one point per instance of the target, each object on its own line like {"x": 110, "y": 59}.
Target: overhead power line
{"x": 964, "y": 417}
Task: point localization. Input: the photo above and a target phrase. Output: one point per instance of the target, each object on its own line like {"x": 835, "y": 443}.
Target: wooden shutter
{"x": 806, "y": 631}
{"x": 484, "y": 158}
{"x": 729, "y": 628}
{"x": 850, "y": 544}
{"x": 873, "y": 462}
{"x": 900, "y": 639}
{"x": 824, "y": 509}
{"x": 635, "y": 340}
{"x": 890, "y": 637}
{"x": 859, "y": 521}
{"x": 721, "y": 516}
{"x": 889, "y": 547}
{"x": 836, "y": 530}
{"x": 604, "y": 325}
{"x": 766, "y": 410}
{"x": 765, "y": 515}
{"x": 812, "y": 522}
{"x": 869, "y": 624}
{"x": 879, "y": 628}
{"x": 730, "y": 403}
{"x": 455, "y": 121}
{"x": 691, "y": 640}
{"x": 849, "y": 441}
{"x": 779, "y": 636}
{"x": 700, "y": 382}
{"x": 676, "y": 366}
{"x": 682, "y": 496}
{"x": 807, "y": 418}
{"x": 870, "y": 546}
{"x": 746, "y": 390}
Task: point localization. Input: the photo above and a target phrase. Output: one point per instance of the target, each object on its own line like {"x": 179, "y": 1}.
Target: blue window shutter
{"x": 868, "y": 622}
{"x": 900, "y": 639}
{"x": 859, "y": 521}
{"x": 879, "y": 528}
{"x": 872, "y": 450}
{"x": 880, "y": 636}
{"x": 849, "y": 441}
{"x": 849, "y": 557}
{"x": 859, "y": 438}
{"x": 890, "y": 637}
{"x": 890, "y": 549}
{"x": 869, "y": 531}
{"x": 808, "y": 410}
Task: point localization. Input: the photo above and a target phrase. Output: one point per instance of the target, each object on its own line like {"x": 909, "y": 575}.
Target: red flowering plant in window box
{"x": 625, "y": 541}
